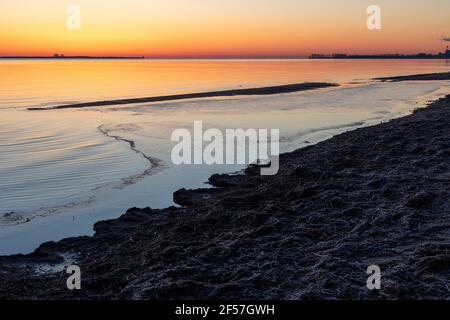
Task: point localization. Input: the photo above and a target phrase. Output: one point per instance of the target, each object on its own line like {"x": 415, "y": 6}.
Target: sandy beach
{"x": 376, "y": 195}
{"x": 289, "y": 88}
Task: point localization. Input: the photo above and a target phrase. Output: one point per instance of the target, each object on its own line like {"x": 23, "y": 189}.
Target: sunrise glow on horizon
{"x": 218, "y": 28}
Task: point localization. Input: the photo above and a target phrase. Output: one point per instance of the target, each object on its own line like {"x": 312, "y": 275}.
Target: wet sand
{"x": 418, "y": 77}
{"x": 226, "y": 93}
{"x": 376, "y": 195}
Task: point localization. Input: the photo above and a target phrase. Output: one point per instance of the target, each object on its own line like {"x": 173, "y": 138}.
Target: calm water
{"x": 48, "y": 82}
{"x": 61, "y": 171}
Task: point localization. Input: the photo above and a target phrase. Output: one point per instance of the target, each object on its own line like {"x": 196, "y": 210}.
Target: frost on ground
{"x": 376, "y": 195}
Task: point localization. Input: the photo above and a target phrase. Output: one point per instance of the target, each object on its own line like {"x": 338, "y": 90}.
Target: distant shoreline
{"x": 224, "y": 93}
{"x": 311, "y": 57}
{"x": 420, "y": 56}
{"x": 69, "y": 58}
{"x": 380, "y": 58}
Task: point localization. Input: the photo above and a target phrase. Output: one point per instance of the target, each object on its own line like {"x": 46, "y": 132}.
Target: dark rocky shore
{"x": 378, "y": 195}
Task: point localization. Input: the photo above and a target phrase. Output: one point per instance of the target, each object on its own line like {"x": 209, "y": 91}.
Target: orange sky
{"x": 214, "y": 28}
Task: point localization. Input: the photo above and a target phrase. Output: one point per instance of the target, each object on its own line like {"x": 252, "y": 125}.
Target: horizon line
{"x": 204, "y": 57}
{"x": 156, "y": 57}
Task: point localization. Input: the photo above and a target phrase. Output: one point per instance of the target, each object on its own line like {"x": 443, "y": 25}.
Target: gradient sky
{"x": 213, "y": 28}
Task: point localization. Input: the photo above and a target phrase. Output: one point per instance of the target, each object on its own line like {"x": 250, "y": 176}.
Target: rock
{"x": 420, "y": 199}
